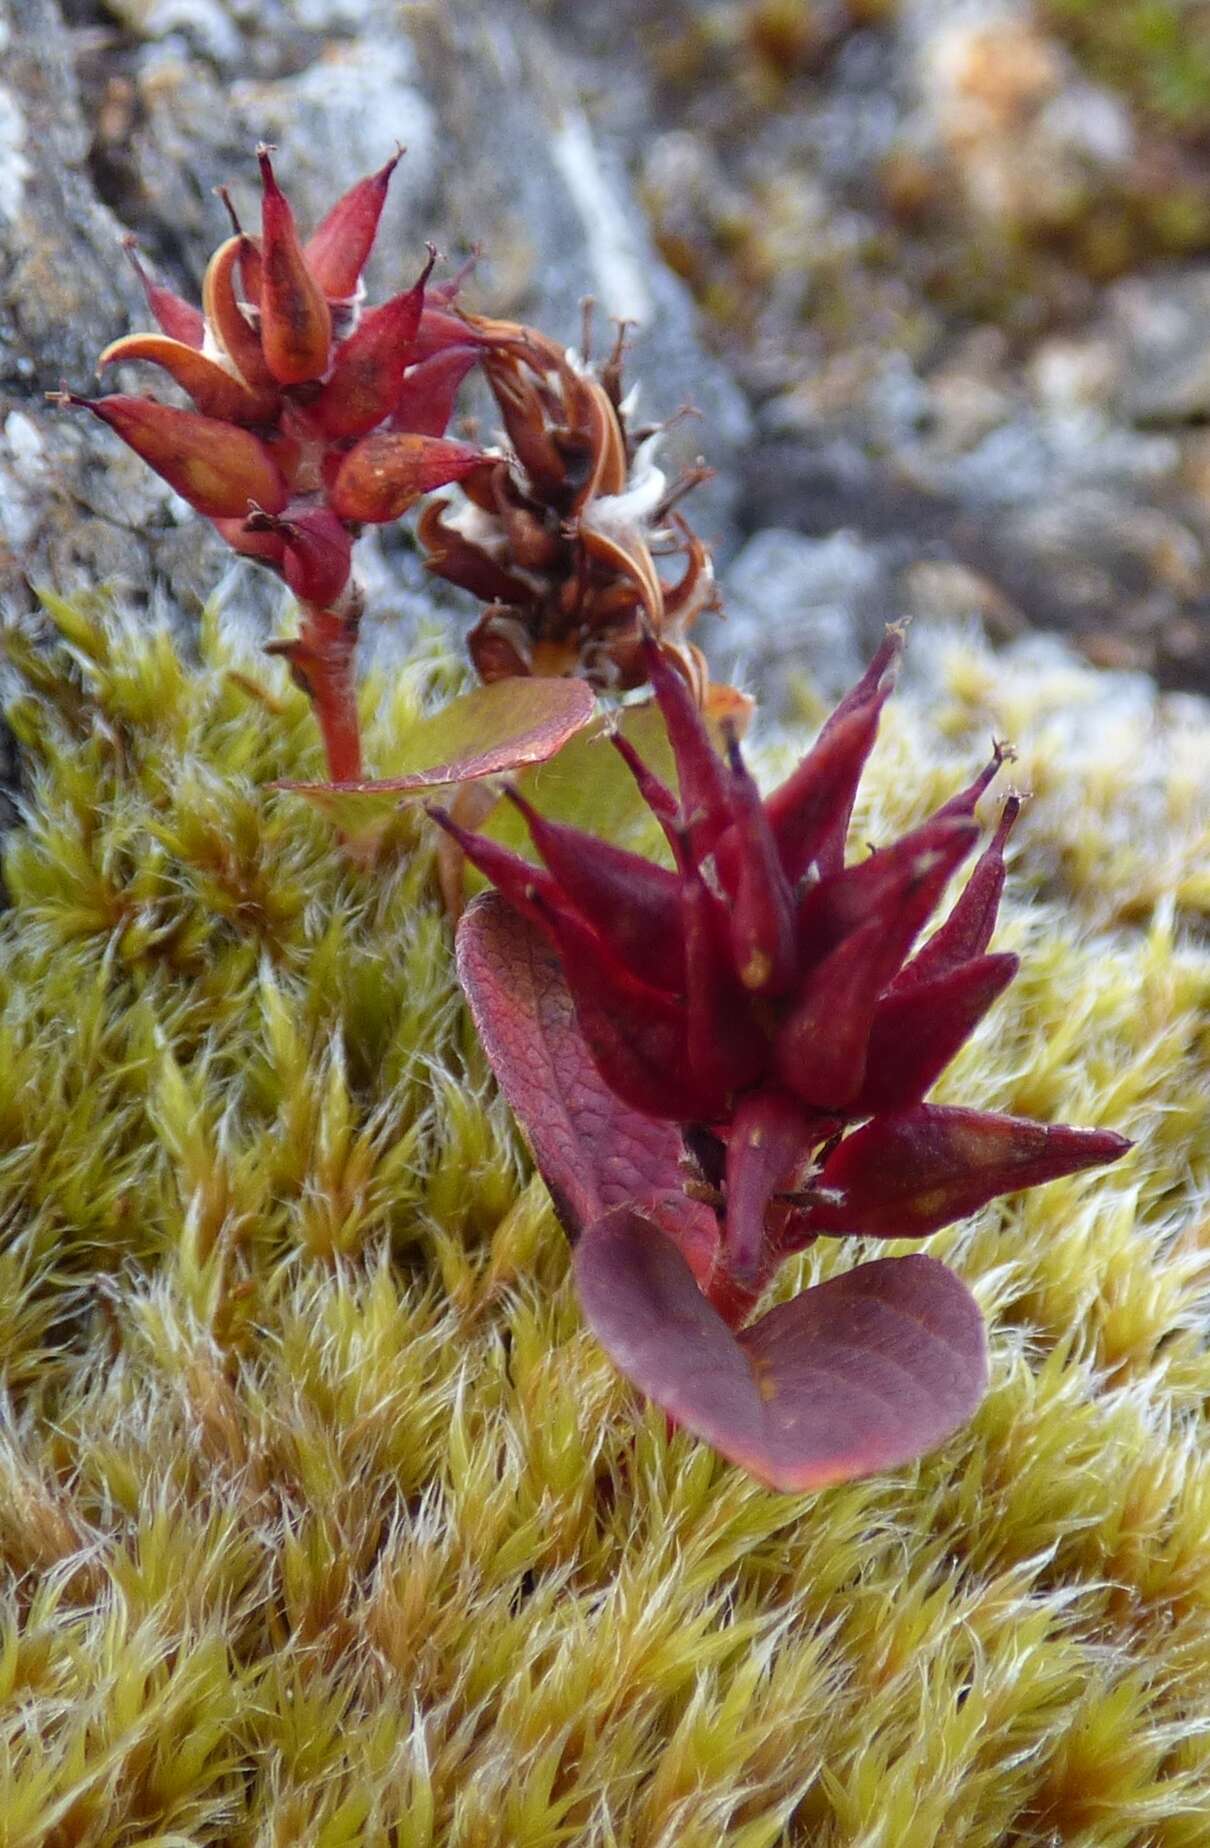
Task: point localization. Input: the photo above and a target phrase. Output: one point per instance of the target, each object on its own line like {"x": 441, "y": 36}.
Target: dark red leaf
{"x": 593, "y": 1151}
{"x": 865, "y": 1372}
{"x": 908, "y": 1175}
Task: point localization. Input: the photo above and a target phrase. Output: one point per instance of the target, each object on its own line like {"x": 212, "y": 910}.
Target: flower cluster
{"x": 776, "y": 1008}
{"x": 313, "y": 415}
{"x": 558, "y": 534}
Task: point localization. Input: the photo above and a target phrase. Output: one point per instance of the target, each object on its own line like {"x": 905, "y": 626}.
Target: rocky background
{"x": 935, "y": 273}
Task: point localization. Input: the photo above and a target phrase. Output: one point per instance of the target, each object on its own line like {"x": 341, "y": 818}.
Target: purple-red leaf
{"x": 865, "y": 1372}
{"x": 593, "y": 1151}
{"x": 908, "y": 1175}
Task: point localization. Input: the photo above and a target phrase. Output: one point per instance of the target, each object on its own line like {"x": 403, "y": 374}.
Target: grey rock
{"x": 800, "y": 606}
{"x": 1163, "y": 325}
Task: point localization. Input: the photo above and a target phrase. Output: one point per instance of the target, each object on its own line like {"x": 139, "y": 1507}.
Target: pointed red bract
{"x": 426, "y": 397}
{"x": 917, "y": 1031}
{"x": 822, "y": 1046}
{"x": 180, "y": 320}
{"x": 865, "y": 1372}
{"x": 632, "y": 902}
{"x": 908, "y": 1175}
{"x": 968, "y": 929}
{"x": 215, "y": 391}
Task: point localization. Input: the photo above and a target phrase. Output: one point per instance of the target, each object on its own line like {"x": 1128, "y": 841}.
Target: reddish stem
{"x": 321, "y": 663}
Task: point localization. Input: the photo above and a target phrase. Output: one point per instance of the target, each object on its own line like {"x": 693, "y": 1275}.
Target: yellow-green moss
{"x": 323, "y": 1519}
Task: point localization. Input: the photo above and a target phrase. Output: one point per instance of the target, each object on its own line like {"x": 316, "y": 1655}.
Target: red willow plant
{"x": 719, "y": 1062}
{"x": 313, "y": 417}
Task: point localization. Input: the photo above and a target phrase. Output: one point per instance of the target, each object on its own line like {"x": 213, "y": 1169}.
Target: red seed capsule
{"x": 296, "y": 325}
{"x": 388, "y": 470}
{"x": 367, "y": 370}
{"x": 337, "y": 251}
{"x": 218, "y": 468}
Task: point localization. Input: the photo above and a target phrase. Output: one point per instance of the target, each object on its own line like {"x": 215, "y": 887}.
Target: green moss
{"x": 322, "y": 1517}
{"x": 1156, "y": 52}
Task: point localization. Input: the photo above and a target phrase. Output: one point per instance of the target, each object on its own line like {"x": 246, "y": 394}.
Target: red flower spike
{"x": 594, "y": 1152}
{"x": 968, "y": 929}
{"x": 634, "y": 904}
{"x": 386, "y": 472}
{"x": 367, "y": 369}
{"x": 865, "y": 1372}
{"x": 180, "y": 320}
{"x": 908, "y": 1175}
{"x": 426, "y": 397}
{"x": 337, "y": 251}
{"x": 215, "y": 391}
{"x": 822, "y": 1047}
{"x": 918, "y": 1030}
{"x": 216, "y": 467}
{"x": 296, "y": 324}
{"x": 769, "y": 1139}
{"x": 267, "y": 455}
